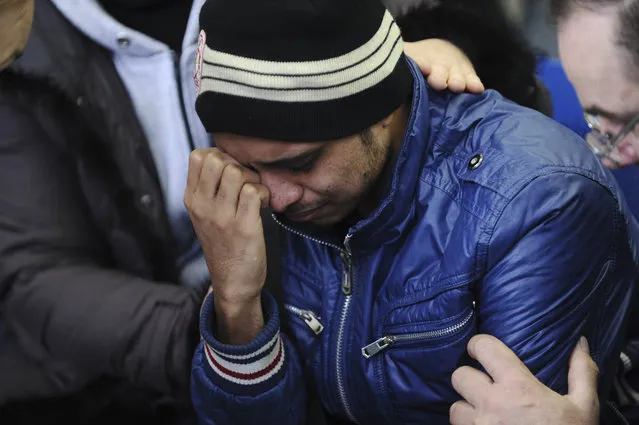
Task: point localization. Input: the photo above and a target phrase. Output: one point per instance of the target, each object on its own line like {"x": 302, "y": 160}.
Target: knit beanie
{"x": 298, "y": 70}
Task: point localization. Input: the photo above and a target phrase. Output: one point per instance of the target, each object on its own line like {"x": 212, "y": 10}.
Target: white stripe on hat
{"x": 312, "y": 81}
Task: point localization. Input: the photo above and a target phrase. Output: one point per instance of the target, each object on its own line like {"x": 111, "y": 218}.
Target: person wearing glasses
{"x": 616, "y": 149}
{"x": 603, "y": 67}
{"x": 599, "y": 50}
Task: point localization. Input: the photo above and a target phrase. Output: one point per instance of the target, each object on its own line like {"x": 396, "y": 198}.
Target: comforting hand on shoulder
{"x": 445, "y": 65}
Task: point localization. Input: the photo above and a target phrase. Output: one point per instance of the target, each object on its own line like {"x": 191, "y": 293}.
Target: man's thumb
{"x": 582, "y": 377}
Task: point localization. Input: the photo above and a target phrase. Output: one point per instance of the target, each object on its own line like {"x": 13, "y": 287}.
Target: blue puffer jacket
{"x": 497, "y": 220}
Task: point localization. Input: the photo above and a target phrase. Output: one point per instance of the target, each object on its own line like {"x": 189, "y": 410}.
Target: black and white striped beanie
{"x": 298, "y": 70}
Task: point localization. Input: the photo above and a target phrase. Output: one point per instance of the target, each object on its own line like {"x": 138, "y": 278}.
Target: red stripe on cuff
{"x": 246, "y": 376}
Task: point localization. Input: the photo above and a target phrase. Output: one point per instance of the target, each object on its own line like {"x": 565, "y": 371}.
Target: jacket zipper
{"x": 310, "y": 318}
{"x": 347, "y": 290}
{"x": 178, "y": 75}
{"x": 387, "y": 341}
{"x": 305, "y": 236}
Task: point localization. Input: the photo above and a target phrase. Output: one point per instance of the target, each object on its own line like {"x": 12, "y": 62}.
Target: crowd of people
{"x": 317, "y": 212}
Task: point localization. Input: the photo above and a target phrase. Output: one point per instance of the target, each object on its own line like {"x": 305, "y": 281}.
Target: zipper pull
{"x": 347, "y": 285}
{"x": 312, "y": 322}
{"x": 347, "y": 259}
{"x": 377, "y": 347}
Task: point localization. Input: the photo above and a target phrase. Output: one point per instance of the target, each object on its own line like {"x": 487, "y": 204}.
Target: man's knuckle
{"x": 213, "y": 161}
{"x": 197, "y": 213}
{"x": 250, "y": 191}
{"x": 233, "y": 172}
{"x": 202, "y": 213}
{"x": 196, "y": 156}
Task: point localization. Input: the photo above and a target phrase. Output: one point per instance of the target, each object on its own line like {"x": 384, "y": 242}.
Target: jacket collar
{"x": 396, "y": 205}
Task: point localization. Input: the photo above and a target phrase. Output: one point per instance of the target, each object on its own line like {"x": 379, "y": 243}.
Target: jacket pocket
{"x": 388, "y": 341}
{"x": 311, "y": 319}
{"x": 414, "y": 360}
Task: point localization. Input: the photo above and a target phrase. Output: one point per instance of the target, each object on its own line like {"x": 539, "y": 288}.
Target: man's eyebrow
{"x": 293, "y": 160}
{"x": 617, "y": 117}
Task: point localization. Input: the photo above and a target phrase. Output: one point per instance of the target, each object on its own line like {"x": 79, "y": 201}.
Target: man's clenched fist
{"x": 224, "y": 201}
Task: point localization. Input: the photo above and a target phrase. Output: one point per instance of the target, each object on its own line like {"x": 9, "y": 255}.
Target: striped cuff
{"x": 250, "y": 369}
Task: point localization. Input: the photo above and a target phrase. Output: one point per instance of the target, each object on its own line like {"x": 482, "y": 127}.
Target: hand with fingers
{"x": 445, "y": 65}
{"x": 224, "y": 201}
{"x": 510, "y": 393}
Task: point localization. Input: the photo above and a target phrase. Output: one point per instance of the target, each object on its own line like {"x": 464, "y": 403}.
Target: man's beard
{"x": 376, "y": 185}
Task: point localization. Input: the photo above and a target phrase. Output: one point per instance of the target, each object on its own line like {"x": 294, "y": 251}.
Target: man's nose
{"x": 283, "y": 193}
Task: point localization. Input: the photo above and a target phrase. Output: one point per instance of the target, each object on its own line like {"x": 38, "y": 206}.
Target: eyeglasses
{"x": 602, "y": 144}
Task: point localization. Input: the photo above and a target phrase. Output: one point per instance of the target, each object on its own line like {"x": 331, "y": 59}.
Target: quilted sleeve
{"x": 559, "y": 267}
{"x": 243, "y": 385}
